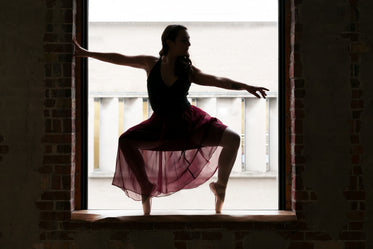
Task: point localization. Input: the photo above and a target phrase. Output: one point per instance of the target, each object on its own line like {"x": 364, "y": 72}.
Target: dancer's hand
{"x": 79, "y": 51}
{"x": 253, "y": 90}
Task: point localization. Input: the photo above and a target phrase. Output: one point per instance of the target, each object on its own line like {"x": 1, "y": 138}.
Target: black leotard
{"x": 167, "y": 100}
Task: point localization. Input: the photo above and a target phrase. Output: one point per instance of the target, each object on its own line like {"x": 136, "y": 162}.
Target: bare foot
{"x": 219, "y": 192}
{"x": 147, "y": 205}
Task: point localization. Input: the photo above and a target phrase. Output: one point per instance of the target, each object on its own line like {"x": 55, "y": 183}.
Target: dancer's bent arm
{"x": 201, "y": 78}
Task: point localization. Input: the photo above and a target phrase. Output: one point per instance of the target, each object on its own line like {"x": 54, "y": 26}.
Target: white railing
{"x": 256, "y": 120}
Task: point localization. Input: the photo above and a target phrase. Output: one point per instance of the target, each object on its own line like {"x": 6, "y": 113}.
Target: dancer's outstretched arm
{"x": 201, "y": 78}
{"x": 140, "y": 61}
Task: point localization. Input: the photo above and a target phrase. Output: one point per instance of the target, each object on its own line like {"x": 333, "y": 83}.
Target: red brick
{"x": 301, "y": 195}
{"x": 313, "y": 196}
{"x": 356, "y": 114}
{"x": 353, "y": 183}
{"x": 50, "y": 37}
{"x": 238, "y": 245}
{"x": 297, "y": 126}
{"x": 301, "y": 245}
{"x": 68, "y": 17}
{"x": 67, "y": 5}
{"x": 357, "y": 125}
{"x": 180, "y": 245}
{"x": 49, "y": 103}
{"x": 355, "y": 245}
{"x": 44, "y": 205}
{"x": 299, "y": 93}
{"x": 56, "y": 182}
{"x": 298, "y": 149}
{"x": 355, "y": 139}
{"x": 357, "y": 170}
{"x": 352, "y": 235}
{"x": 43, "y": 235}
{"x": 362, "y": 205}
{"x": 57, "y": 159}
{"x": 212, "y": 235}
{"x": 298, "y": 104}
{"x": 48, "y": 225}
{"x": 354, "y": 195}
{"x": 317, "y": 236}
{"x": 361, "y": 184}
{"x": 299, "y": 169}
{"x": 350, "y": 35}
{"x": 357, "y": 104}
{"x": 56, "y": 195}
{"x": 58, "y": 235}
{"x": 354, "y": 56}
{"x": 58, "y": 48}
{"x": 292, "y": 235}
{"x": 66, "y": 57}
{"x": 63, "y": 93}
{"x": 299, "y": 160}
{"x": 50, "y": 3}
{"x": 74, "y": 225}
{"x": 299, "y": 114}
{"x": 66, "y": 182}
{"x": 67, "y": 125}
{"x": 298, "y": 206}
{"x": 45, "y": 182}
{"x": 356, "y": 93}
{"x": 48, "y": 72}
{"x": 47, "y": 215}
{"x": 46, "y": 169}
{"x": 57, "y": 138}
{"x": 63, "y": 205}
{"x": 4, "y": 149}
{"x": 298, "y": 83}
{"x": 356, "y": 225}
{"x": 61, "y": 113}
{"x": 185, "y": 235}
{"x": 355, "y": 159}
{"x": 63, "y": 215}
{"x": 67, "y": 28}
{"x": 357, "y": 149}
{"x": 65, "y": 169}
{"x": 299, "y": 184}
{"x": 355, "y": 215}
{"x": 298, "y": 69}
{"x": 355, "y": 83}
{"x": 67, "y": 69}
{"x": 354, "y": 205}
{"x": 56, "y": 124}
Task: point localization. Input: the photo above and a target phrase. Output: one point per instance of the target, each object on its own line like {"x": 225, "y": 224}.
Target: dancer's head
{"x": 175, "y": 40}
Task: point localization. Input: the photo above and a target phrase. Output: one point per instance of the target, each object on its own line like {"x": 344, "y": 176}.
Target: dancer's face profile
{"x": 181, "y": 45}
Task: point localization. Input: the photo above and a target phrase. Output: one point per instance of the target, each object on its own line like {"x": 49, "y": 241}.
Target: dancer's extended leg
{"x": 130, "y": 149}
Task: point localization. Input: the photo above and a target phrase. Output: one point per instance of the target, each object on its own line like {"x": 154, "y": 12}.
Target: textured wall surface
{"x": 331, "y": 138}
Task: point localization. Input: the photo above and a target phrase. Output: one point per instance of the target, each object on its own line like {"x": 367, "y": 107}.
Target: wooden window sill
{"x": 187, "y": 216}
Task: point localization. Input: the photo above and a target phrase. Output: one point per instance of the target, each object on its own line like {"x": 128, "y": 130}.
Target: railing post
{"x": 229, "y": 110}
{"x": 255, "y": 134}
{"x": 108, "y": 134}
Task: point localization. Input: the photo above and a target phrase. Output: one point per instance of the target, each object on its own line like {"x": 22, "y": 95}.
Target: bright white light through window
{"x": 236, "y": 39}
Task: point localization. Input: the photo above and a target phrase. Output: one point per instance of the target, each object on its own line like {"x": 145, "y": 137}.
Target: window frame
{"x": 81, "y": 80}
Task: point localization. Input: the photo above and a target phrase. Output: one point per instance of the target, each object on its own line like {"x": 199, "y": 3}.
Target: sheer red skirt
{"x": 172, "y": 153}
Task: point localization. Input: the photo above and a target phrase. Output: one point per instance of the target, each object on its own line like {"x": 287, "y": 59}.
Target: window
{"x": 112, "y": 110}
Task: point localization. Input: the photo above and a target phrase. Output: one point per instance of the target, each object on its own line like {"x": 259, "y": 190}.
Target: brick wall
{"x": 329, "y": 136}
